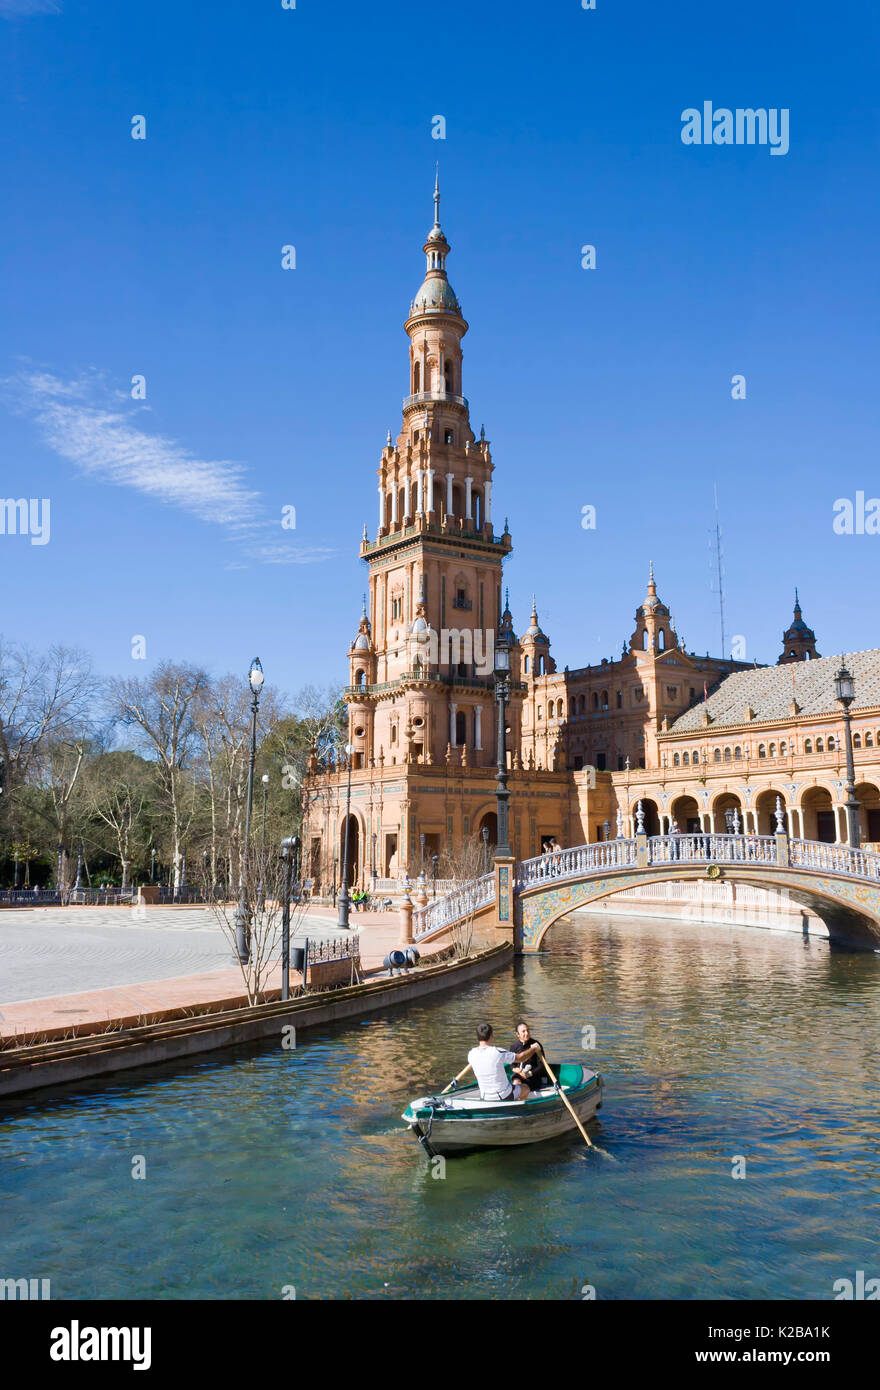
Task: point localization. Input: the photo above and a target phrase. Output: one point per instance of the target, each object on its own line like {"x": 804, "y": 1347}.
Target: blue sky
{"x": 268, "y": 388}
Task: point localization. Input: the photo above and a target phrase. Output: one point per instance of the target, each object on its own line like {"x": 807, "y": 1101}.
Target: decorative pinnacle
{"x": 437, "y": 195}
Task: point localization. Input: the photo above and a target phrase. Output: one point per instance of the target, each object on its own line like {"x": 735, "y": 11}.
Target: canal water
{"x": 270, "y": 1170}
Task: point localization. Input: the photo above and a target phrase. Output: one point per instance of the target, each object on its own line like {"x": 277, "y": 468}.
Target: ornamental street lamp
{"x": 845, "y": 691}
{"x": 373, "y": 861}
{"x": 342, "y": 920}
{"x": 435, "y": 859}
{"x": 422, "y": 859}
{"x": 289, "y": 850}
{"x": 502, "y": 695}
{"x": 152, "y": 865}
{"x": 242, "y": 912}
{"x": 485, "y": 834}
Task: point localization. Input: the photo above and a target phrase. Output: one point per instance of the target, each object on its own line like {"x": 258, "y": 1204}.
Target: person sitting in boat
{"x": 531, "y": 1071}
{"x": 488, "y": 1062}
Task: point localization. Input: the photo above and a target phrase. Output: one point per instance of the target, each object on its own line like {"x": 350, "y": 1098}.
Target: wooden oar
{"x": 457, "y": 1078}
{"x": 549, "y": 1070}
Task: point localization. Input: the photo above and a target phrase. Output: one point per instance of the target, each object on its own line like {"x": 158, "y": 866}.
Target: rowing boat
{"x": 462, "y": 1120}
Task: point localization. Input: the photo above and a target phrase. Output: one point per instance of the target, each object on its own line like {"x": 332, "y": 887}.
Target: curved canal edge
{"x": 27, "y": 1069}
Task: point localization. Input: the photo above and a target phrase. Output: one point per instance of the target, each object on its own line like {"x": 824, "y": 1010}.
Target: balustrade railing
{"x": 454, "y": 906}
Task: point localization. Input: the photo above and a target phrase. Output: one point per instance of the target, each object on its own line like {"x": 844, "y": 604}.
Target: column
{"x": 468, "y": 484}
{"x": 449, "y": 481}
{"x": 381, "y": 506}
{"x": 487, "y": 501}
{"x": 394, "y": 517}
{"x": 420, "y": 497}
{"x": 407, "y": 498}
{"x": 840, "y": 822}
{"x": 452, "y": 710}
{"x": 478, "y": 728}
{"x": 429, "y": 474}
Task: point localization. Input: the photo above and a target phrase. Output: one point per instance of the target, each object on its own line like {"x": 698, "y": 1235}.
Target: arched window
{"x": 645, "y": 642}
{"x": 604, "y": 699}
{"x": 675, "y": 759}
{"x": 808, "y": 745}
{"x": 695, "y": 757}
{"x": 685, "y": 759}
{"x": 447, "y": 375}
{"x": 550, "y": 708}
{"x": 717, "y": 755}
{"x": 737, "y": 752}
{"x": 526, "y": 665}
{"x": 869, "y": 739}
{"x": 417, "y": 378}
{"x": 771, "y": 751}
{"x": 393, "y": 733}
{"x": 820, "y": 746}
{"x": 727, "y": 755}
{"x": 560, "y": 710}
{"x": 595, "y": 700}
{"x": 831, "y": 744}
{"x": 460, "y": 728}
{"x": 782, "y": 748}
{"x": 620, "y": 699}
{"x": 857, "y": 740}
{"x": 582, "y": 705}
{"x": 762, "y": 751}
{"x": 540, "y": 712}
{"x": 661, "y": 640}
{"x": 360, "y": 678}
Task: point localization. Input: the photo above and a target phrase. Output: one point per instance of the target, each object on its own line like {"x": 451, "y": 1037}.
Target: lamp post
{"x": 152, "y": 865}
{"x": 845, "y": 691}
{"x": 242, "y": 913}
{"x": 435, "y": 858}
{"x": 342, "y": 920}
{"x": 422, "y": 856}
{"x": 485, "y": 834}
{"x": 373, "y": 862}
{"x": 289, "y": 848}
{"x": 502, "y": 695}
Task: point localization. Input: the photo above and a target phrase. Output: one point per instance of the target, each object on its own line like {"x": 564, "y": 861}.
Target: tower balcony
{"x": 426, "y": 397}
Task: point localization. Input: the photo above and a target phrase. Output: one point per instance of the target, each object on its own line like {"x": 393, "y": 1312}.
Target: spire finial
{"x": 797, "y": 602}
{"x": 364, "y": 612}
{"x": 651, "y": 583}
{"x": 437, "y": 194}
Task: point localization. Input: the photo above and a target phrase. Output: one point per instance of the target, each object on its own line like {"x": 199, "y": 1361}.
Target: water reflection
{"x": 267, "y": 1167}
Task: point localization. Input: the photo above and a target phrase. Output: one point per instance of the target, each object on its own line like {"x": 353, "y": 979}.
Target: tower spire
{"x": 437, "y": 196}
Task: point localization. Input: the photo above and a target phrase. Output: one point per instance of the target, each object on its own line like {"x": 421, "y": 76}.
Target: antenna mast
{"x": 719, "y": 572}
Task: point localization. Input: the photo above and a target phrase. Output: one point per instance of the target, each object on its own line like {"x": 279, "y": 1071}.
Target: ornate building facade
{"x": 704, "y": 741}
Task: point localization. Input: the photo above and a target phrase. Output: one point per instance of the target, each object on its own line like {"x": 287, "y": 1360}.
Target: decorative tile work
{"x": 540, "y": 909}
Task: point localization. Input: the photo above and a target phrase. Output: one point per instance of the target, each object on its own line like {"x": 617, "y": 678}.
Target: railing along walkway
{"x": 585, "y": 860}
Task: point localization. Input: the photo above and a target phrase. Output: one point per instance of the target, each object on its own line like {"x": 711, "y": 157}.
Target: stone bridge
{"x": 841, "y": 885}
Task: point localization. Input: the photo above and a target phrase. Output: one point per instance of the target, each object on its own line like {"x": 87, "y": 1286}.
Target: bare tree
{"x": 464, "y": 863}
{"x": 162, "y": 708}
{"x": 47, "y": 719}
{"x": 117, "y": 797}
{"x": 264, "y": 886}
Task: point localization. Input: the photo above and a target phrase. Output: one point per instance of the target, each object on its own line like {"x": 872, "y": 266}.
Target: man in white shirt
{"x": 487, "y": 1063}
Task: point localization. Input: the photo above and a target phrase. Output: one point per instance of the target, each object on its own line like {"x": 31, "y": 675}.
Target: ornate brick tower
{"x": 421, "y": 664}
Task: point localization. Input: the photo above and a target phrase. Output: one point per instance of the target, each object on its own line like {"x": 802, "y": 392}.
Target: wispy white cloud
{"x": 93, "y": 428}
{"x": 22, "y": 9}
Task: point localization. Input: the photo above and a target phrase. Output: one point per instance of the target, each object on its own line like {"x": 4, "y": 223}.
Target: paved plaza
{"x": 55, "y": 950}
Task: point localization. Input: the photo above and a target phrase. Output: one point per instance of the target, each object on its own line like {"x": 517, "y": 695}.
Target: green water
{"x": 267, "y": 1168}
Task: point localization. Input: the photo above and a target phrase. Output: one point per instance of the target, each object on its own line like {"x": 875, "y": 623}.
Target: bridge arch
{"x": 851, "y": 915}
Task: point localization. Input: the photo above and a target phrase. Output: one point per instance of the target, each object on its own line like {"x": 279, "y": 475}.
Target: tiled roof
{"x": 768, "y": 690}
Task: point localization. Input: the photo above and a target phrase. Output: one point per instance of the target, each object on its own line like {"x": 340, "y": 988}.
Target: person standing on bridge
{"x": 676, "y": 840}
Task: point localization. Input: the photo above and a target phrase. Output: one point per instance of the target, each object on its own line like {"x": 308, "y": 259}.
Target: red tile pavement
{"x": 92, "y": 1010}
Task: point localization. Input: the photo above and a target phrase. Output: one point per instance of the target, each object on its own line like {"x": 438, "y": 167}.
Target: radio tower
{"x": 718, "y": 564}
